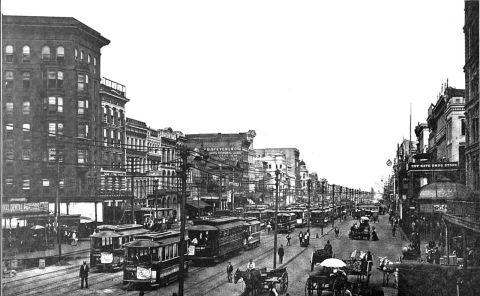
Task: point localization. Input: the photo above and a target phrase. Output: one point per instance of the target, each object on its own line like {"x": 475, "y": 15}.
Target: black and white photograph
{"x": 240, "y": 148}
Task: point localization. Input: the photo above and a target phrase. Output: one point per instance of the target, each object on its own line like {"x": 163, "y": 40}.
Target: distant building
{"x": 304, "y": 177}
{"x": 52, "y": 110}
{"x": 292, "y": 156}
{"x": 231, "y": 164}
{"x": 136, "y": 165}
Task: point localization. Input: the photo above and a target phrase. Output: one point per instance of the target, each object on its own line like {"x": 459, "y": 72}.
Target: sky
{"x": 334, "y": 79}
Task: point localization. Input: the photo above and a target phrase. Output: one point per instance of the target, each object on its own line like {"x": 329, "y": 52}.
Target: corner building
{"x": 52, "y": 111}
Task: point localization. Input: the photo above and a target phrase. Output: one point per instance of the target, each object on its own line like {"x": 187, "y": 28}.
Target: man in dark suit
{"x": 84, "y": 274}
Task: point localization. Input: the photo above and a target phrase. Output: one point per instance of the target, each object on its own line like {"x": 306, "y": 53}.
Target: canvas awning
{"x": 197, "y": 204}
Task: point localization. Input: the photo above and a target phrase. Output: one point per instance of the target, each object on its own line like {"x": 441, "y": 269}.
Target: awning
{"x": 197, "y": 204}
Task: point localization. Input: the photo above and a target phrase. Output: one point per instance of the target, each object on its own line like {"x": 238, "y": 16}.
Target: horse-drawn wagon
{"x": 360, "y": 231}
{"x": 318, "y": 256}
{"x": 258, "y": 280}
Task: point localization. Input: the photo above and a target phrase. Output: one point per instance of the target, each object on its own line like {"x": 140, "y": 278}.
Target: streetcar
{"x": 300, "y": 217}
{"x": 286, "y": 222}
{"x": 259, "y": 215}
{"x": 318, "y": 218}
{"x": 251, "y": 230}
{"x": 162, "y": 260}
{"x": 212, "y": 239}
{"x": 106, "y": 246}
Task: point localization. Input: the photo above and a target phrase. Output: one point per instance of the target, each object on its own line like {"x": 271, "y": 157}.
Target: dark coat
{"x": 84, "y": 270}
{"x": 229, "y": 268}
{"x": 281, "y": 252}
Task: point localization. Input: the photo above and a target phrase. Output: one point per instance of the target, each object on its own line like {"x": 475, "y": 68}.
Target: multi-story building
{"x": 471, "y": 95}
{"x": 304, "y": 177}
{"x": 113, "y": 185}
{"x": 446, "y": 122}
{"x": 51, "y": 111}
{"x": 230, "y": 167}
{"x": 136, "y": 133}
{"x": 292, "y": 156}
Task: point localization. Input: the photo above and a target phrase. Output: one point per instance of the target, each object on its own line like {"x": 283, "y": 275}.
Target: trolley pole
{"x": 340, "y": 199}
{"x": 333, "y": 201}
{"x": 309, "y": 187}
{"x": 277, "y": 172}
{"x": 183, "y": 247}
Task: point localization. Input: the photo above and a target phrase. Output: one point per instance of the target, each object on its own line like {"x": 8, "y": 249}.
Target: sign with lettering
{"x": 432, "y": 166}
{"x": 19, "y": 208}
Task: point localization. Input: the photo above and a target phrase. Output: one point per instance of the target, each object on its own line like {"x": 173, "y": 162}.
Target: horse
{"x": 252, "y": 279}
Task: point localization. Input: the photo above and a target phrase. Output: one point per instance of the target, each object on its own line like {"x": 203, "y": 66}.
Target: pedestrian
{"x": 269, "y": 227}
{"x": 300, "y": 237}
{"x": 84, "y": 274}
{"x": 369, "y": 261}
{"x": 281, "y": 252}
{"x": 394, "y": 228}
{"x": 288, "y": 239}
{"x": 337, "y": 231}
{"x": 328, "y": 247}
{"x": 74, "y": 239}
{"x": 307, "y": 237}
{"x": 250, "y": 265}
{"x": 229, "y": 271}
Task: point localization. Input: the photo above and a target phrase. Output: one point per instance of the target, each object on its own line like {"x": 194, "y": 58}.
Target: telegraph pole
{"x": 183, "y": 247}
{"x": 277, "y": 173}
{"x": 333, "y": 200}
{"x": 309, "y": 187}
{"x": 323, "y": 209}
{"x": 57, "y": 205}
{"x": 131, "y": 188}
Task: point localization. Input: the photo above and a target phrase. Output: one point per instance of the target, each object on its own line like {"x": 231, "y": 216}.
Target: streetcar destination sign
{"x": 432, "y": 166}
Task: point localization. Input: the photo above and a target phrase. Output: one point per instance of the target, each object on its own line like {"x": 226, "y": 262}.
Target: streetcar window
{"x": 160, "y": 254}
{"x": 170, "y": 251}
{"x": 175, "y": 250}
{"x": 155, "y": 254}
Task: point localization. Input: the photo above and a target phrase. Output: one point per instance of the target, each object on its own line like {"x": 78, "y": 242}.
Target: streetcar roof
{"x": 105, "y": 234}
{"x": 202, "y": 228}
{"x": 133, "y": 232}
{"x": 142, "y": 243}
{"x": 285, "y": 214}
{"x": 254, "y": 222}
{"x": 230, "y": 225}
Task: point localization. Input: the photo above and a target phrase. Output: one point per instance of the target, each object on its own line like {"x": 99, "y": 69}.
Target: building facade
{"x": 136, "y": 156}
{"x": 292, "y": 156}
{"x": 51, "y": 83}
{"x": 230, "y": 166}
{"x": 113, "y": 180}
{"x": 472, "y": 156}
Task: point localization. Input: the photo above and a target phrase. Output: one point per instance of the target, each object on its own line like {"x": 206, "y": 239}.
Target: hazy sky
{"x": 331, "y": 78}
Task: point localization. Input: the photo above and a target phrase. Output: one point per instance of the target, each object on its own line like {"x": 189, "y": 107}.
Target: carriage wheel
{"x": 338, "y": 284}
{"x": 309, "y": 288}
{"x": 284, "y": 283}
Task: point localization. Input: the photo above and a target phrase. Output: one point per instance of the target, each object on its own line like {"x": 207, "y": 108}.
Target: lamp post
{"x": 277, "y": 173}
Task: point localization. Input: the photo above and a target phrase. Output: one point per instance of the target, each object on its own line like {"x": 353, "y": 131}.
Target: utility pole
{"x": 183, "y": 248}
{"x": 309, "y": 187}
{"x": 277, "y": 173}
{"x": 220, "y": 189}
{"x": 340, "y": 199}
{"x": 333, "y": 201}
{"x": 131, "y": 188}
{"x": 57, "y": 204}
{"x": 323, "y": 210}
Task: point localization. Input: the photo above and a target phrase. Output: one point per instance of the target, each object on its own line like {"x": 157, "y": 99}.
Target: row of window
{"x": 54, "y": 80}
{"x": 27, "y": 182}
{"x": 47, "y": 55}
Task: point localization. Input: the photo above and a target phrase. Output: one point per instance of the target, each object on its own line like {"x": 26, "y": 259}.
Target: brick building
{"x": 51, "y": 83}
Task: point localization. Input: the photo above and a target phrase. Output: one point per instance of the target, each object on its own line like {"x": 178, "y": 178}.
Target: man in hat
{"x": 84, "y": 274}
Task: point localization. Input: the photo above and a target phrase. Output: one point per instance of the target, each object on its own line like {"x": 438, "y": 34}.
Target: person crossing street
{"x": 281, "y": 252}
{"x": 229, "y": 271}
{"x": 288, "y": 239}
{"x": 84, "y": 274}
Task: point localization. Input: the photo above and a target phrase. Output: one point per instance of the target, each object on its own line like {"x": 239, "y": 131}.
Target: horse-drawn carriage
{"x": 332, "y": 278}
{"x": 360, "y": 231}
{"x": 410, "y": 252}
{"x": 259, "y": 280}
{"x": 318, "y": 256}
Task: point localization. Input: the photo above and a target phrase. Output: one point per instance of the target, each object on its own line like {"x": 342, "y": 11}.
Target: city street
{"x": 212, "y": 280}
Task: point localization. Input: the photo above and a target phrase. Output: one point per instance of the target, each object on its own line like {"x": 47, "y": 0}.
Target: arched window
{"x": 26, "y": 53}
{"x": 46, "y": 53}
{"x": 9, "y": 53}
{"x": 76, "y": 54}
{"x": 60, "y": 54}
{"x": 88, "y": 58}
{"x": 81, "y": 55}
